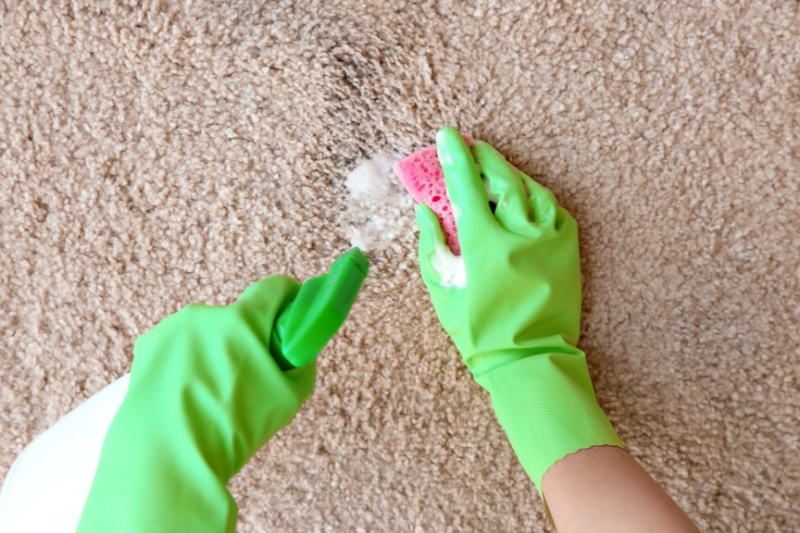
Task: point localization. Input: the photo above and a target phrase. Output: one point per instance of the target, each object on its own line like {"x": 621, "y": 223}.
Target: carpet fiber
{"x": 154, "y": 154}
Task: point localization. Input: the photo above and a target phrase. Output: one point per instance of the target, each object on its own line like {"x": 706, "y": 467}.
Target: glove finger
{"x": 265, "y": 299}
{"x": 440, "y": 267}
{"x": 302, "y": 381}
{"x": 506, "y": 190}
{"x": 465, "y": 188}
{"x": 542, "y": 202}
{"x": 431, "y": 242}
{"x": 564, "y": 221}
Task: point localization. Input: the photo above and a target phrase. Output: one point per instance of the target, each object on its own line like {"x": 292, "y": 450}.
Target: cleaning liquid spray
{"x": 47, "y": 486}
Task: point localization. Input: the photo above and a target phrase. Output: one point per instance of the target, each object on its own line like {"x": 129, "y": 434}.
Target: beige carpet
{"x": 175, "y": 152}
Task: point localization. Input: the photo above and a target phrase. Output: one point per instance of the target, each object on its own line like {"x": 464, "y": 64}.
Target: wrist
{"x": 482, "y": 359}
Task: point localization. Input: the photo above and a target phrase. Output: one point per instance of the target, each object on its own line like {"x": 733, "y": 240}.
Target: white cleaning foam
{"x": 379, "y": 209}
{"x": 451, "y": 268}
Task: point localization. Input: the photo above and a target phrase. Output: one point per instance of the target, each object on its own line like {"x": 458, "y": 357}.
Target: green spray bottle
{"x": 318, "y": 311}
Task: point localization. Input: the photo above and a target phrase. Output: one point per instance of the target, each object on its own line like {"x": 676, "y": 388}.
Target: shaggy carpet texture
{"x": 154, "y": 154}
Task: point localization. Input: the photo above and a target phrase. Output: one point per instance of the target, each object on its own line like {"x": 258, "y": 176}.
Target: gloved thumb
{"x": 437, "y": 263}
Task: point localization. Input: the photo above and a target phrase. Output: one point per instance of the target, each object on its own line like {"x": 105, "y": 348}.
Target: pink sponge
{"x": 422, "y": 176}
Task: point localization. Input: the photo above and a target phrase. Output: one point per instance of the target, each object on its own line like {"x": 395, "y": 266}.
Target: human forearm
{"x": 603, "y": 489}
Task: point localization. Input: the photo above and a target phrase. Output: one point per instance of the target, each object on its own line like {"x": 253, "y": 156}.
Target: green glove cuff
{"x": 547, "y": 407}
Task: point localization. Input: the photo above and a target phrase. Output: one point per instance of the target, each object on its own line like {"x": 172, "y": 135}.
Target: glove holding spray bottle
{"x": 208, "y": 387}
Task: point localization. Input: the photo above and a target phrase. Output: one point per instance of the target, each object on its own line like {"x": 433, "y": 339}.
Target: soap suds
{"x": 451, "y": 268}
{"x": 379, "y": 209}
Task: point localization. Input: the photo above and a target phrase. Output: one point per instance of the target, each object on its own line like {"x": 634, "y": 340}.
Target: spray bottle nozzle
{"x": 318, "y": 311}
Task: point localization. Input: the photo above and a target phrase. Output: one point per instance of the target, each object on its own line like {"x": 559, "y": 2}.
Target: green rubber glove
{"x": 204, "y": 396}
{"x": 511, "y": 303}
